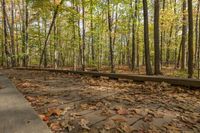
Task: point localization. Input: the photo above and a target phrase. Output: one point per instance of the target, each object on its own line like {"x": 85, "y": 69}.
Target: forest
{"x": 100, "y": 66}
{"x": 158, "y": 37}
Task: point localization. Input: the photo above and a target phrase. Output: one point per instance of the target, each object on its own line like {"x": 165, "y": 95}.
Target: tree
{"x": 92, "y": 31}
{"x": 110, "y": 38}
{"x": 49, "y": 32}
{"x": 146, "y": 39}
{"x": 83, "y": 35}
{"x": 196, "y": 33}
{"x": 190, "y": 40}
{"x": 156, "y": 37}
{"x": 7, "y": 53}
{"x": 13, "y": 59}
{"x": 25, "y": 16}
{"x": 134, "y": 16}
{"x": 184, "y": 33}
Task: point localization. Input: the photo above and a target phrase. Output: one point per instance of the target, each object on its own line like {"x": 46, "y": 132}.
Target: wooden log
{"x": 138, "y": 78}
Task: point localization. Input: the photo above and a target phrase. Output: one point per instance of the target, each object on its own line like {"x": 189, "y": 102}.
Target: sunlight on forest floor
{"x": 83, "y": 104}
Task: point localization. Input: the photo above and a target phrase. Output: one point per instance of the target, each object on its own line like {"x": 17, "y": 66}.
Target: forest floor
{"x": 71, "y": 103}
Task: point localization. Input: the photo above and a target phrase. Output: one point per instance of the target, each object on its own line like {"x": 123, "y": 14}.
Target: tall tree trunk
{"x": 196, "y": 33}
{"x": 156, "y": 37}
{"x": 23, "y": 35}
{"x": 17, "y": 42}
{"x": 198, "y": 56}
{"x": 176, "y": 35}
{"x": 128, "y": 38}
{"x": 179, "y": 56}
{"x": 2, "y": 45}
{"x": 92, "y": 30}
{"x": 183, "y": 40}
{"x": 168, "y": 45}
{"x": 134, "y": 16}
{"x": 49, "y": 32}
{"x": 74, "y": 39}
{"x": 146, "y": 39}
{"x": 110, "y": 38}
{"x": 45, "y": 50}
{"x": 26, "y": 33}
{"x": 162, "y": 38}
{"x": 7, "y": 53}
{"x": 190, "y": 40}
{"x": 55, "y": 46}
{"x": 83, "y": 35}
{"x": 13, "y": 59}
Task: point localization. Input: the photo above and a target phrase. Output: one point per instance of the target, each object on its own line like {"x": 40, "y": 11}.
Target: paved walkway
{"x": 16, "y": 114}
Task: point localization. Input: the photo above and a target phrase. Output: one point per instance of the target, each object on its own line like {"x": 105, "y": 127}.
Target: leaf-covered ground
{"x": 71, "y": 103}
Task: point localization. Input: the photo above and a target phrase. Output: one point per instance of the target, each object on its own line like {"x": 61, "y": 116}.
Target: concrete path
{"x": 16, "y": 114}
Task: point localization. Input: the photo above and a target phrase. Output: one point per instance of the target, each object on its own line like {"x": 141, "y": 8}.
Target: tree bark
{"x": 49, "y": 32}
{"x": 156, "y": 37}
{"x": 92, "y": 30}
{"x": 196, "y": 33}
{"x": 13, "y": 59}
{"x": 146, "y": 39}
{"x": 7, "y": 53}
{"x": 190, "y": 40}
{"x": 183, "y": 40}
{"x": 83, "y": 35}
{"x": 134, "y": 16}
{"x": 110, "y": 38}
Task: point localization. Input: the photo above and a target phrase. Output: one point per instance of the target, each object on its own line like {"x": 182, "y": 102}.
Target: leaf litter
{"x": 66, "y": 103}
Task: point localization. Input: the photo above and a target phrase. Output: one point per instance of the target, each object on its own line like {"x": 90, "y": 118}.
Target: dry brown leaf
{"x": 83, "y": 123}
{"x": 109, "y": 125}
{"x": 55, "y": 126}
{"x": 44, "y": 117}
{"x": 122, "y": 111}
{"x": 54, "y": 111}
{"x": 99, "y": 104}
{"x": 148, "y": 118}
{"x": 187, "y": 120}
{"x": 67, "y": 126}
{"x": 172, "y": 128}
{"x": 106, "y": 111}
{"x": 27, "y": 85}
{"x": 127, "y": 99}
{"x": 84, "y": 106}
{"x": 24, "y": 85}
{"x": 125, "y": 128}
{"x": 30, "y": 99}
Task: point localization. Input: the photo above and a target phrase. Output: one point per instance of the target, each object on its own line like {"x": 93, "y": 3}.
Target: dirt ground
{"x": 71, "y": 103}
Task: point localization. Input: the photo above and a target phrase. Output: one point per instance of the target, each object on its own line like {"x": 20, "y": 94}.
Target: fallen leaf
{"x": 148, "y": 118}
{"x": 30, "y": 99}
{"x": 83, "y": 123}
{"x": 122, "y": 111}
{"x": 44, "y": 117}
{"x": 55, "y": 126}
{"x": 84, "y": 106}
{"x": 67, "y": 126}
{"x": 124, "y": 128}
{"x": 54, "y": 111}
{"x": 109, "y": 125}
{"x": 172, "y": 128}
